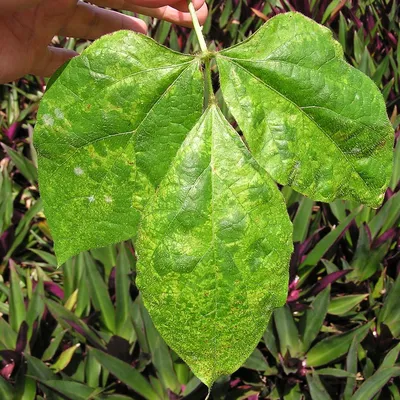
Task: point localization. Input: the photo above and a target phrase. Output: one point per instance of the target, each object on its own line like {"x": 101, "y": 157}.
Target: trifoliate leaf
{"x": 107, "y": 130}
{"x": 310, "y": 119}
{"x": 213, "y": 249}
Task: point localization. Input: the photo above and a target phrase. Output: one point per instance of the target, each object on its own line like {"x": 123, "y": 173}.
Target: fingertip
{"x": 53, "y": 58}
{"x": 135, "y": 24}
{"x": 202, "y": 14}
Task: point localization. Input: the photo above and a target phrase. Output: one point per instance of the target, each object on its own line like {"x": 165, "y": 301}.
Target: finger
{"x": 170, "y": 14}
{"x": 16, "y": 5}
{"x": 180, "y": 5}
{"x": 46, "y": 63}
{"x": 91, "y": 22}
{"x": 183, "y": 5}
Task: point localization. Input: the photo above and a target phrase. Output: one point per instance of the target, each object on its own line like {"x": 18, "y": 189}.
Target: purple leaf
{"x": 11, "y": 132}
{"x": 54, "y": 289}
{"x": 388, "y": 235}
{"x": 328, "y": 279}
{"x": 22, "y": 337}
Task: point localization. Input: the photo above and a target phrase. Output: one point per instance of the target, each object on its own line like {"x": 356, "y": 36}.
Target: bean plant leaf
{"x": 213, "y": 250}
{"x": 122, "y": 139}
{"x": 107, "y": 130}
{"x": 310, "y": 119}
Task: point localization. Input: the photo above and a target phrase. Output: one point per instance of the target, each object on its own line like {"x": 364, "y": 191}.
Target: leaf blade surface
{"x": 310, "y": 119}
{"x": 101, "y": 128}
{"x": 213, "y": 251}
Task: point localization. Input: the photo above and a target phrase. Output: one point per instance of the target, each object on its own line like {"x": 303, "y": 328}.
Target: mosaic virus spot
{"x": 78, "y": 171}
{"x": 108, "y": 199}
{"x": 58, "y": 113}
{"x": 48, "y": 120}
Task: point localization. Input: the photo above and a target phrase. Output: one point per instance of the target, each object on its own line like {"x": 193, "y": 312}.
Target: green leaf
{"x": 391, "y": 357}
{"x": 333, "y": 347}
{"x": 336, "y": 372}
{"x": 126, "y": 374}
{"x": 314, "y": 122}
{"x": 313, "y": 318}
{"x": 99, "y": 294}
{"x": 122, "y": 284}
{"x": 343, "y": 304}
{"x": 6, "y": 390}
{"x": 25, "y": 166}
{"x": 315, "y": 255}
{"x": 351, "y": 367}
{"x": 375, "y": 383}
{"x": 390, "y": 312}
{"x": 65, "y": 358}
{"x": 71, "y": 390}
{"x": 302, "y": 220}
{"x": 317, "y": 389}
{"x": 17, "y": 305}
{"x": 287, "y": 331}
{"x": 256, "y": 361}
{"x": 101, "y": 130}
{"x": 160, "y": 354}
{"x": 213, "y": 250}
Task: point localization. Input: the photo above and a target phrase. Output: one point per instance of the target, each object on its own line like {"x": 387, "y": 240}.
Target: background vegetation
{"x": 81, "y": 332}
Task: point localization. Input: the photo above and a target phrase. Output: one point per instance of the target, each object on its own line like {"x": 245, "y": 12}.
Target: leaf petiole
{"x": 197, "y": 28}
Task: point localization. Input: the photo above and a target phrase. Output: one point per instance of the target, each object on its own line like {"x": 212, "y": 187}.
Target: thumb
{"x": 46, "y": 63}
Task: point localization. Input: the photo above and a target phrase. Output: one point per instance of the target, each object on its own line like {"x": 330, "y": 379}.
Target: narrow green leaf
{"x": 17, "y": 305}
{"x": 24, "y": 226}
{"x": 125, "y": 373}
{"x": 213, "y": 251}
{"x": 92, "y": 370}
{"x": 38, "y": 369}
{"x": 287, "y": 331}
{"x": 8, "y": 336}
{"x": 122, "y": 284}
{"x": 72, "y": 390}
{"x": 290, "y": 89}
{"x": 102, "y": 126}
{"x": 351, "y": 367}
{"x": 160, "y": 354}
{"x": 70, "y": 321}
{"x": 36, "y": 307}
{"x": 391, "y": 357}
{"x": 317, "y": 389}
{"x": 390, "y": 312}
{"x": 54, "y": 345}
{"x": 336, "y": 372}
{"x": 386, "y": 213}
{"x": 65, "y": 358}
{"x": 25, "y": 166}
{"x": 315, "y": 255}
{"x": 375, "y": 383}
{"x": 6, "y": 390}
{"x": 313, "y": 318}
{"x": 336, "y": 346}
{"x": 99, "y": 294}
{"x": 302, "y": 220}
{"x": 256, "y": 361}
{"x": 343, "y": 304}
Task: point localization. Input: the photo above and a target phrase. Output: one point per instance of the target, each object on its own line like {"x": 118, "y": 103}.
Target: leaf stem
{"x": 197, "y": 28}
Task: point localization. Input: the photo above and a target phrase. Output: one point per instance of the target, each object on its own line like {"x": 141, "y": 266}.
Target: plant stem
{"x": 197, "y": 28}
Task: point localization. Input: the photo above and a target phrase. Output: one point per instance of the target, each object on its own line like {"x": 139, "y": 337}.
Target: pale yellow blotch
{"x": 58, "y": 113}
{"x": 48, "y": 120}
{"x": 78, "y": 171}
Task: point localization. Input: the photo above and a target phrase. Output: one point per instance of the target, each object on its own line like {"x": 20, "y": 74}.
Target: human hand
{"x": 28, "y": 26}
